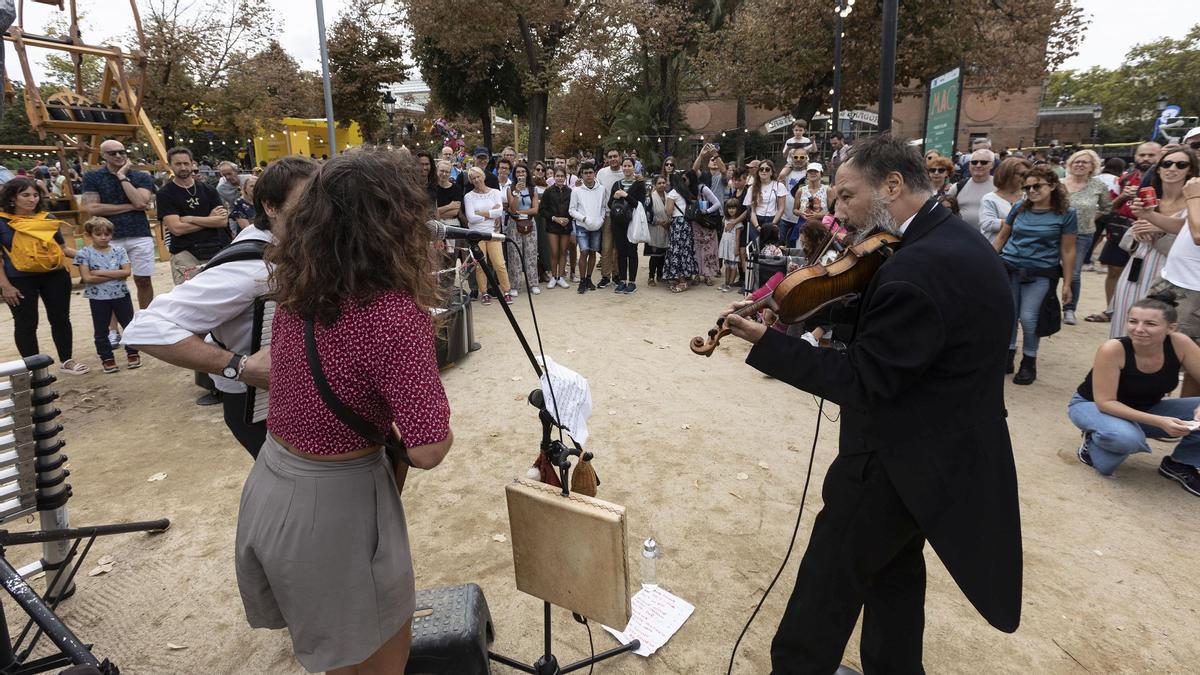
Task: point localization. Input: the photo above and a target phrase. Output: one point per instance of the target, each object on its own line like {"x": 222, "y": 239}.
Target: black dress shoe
{"x": 211, "y": 398}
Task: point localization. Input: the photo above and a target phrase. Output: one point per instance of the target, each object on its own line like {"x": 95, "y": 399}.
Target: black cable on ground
{"x": 803, "y": 495}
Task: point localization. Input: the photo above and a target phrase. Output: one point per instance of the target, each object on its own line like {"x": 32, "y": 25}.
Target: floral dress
{"x": 681, "y": 246}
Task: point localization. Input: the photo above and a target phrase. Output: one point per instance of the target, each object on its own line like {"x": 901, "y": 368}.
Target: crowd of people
{"x": 361, "y": 328}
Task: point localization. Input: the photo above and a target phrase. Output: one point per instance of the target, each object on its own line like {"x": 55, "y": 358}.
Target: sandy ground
{"x": 1109, "y": 563}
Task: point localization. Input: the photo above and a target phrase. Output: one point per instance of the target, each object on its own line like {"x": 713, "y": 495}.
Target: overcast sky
{"x": 1116, "y": 26}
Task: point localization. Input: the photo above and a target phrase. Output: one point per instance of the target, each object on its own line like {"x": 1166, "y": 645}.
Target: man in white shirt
{"x": 970, "y": 193}
{"x": 607, "y": 177}
{"x": 588, "y": 205}
{"x": 220, "y": 301}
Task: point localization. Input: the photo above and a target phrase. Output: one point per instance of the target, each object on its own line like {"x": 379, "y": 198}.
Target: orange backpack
{"x": 33, "y": 247}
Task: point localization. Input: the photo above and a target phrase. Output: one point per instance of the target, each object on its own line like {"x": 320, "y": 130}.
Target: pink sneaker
{"x": 508, "y": 298}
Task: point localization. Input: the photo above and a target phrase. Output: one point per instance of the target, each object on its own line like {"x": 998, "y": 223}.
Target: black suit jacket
{"x": 922, "y": 386}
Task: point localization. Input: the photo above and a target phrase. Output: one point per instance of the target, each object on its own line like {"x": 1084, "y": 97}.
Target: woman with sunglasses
{"x": 1151, "y": 244}
{"x": 995, "y": 206}
{"x": 765, "y": 198}
{"x": 1037, "y": 245}
{"x": 1181, "y": 272}
{"x": 1089, "y": 197}
{"x": 540, "y": 183}
{"x": 940, "y": 169}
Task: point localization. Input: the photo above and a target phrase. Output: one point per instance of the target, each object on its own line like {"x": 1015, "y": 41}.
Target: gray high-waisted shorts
{"x": 322, "y": 549}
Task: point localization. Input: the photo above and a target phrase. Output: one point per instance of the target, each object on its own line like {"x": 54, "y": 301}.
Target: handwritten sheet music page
{"x": 657, "y": 615}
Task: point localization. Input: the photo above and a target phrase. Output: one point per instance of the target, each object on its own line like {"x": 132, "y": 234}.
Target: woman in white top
{"x": 659, "y": 224}
{"x": 994, "y": 206}
{"x": 484, "y": 207}
{"x": 812, "y": 197}
{"x": 1181, "y": 272}
{"x": 765, "y": 198}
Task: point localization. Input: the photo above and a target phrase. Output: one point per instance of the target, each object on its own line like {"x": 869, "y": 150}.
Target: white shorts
{"x": 141, "y": 252}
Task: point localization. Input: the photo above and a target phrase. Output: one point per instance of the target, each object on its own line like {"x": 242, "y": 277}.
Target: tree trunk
{"x": 664, "y": 111}
{"x": 806, "y": 107}
{"x": 739, "y": 133}
{"x": 485, "y": 124}
{"x": 536, "y": 112}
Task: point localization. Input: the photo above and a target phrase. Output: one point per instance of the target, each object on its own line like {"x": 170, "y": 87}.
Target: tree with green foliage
{"x": 470, "y": 84}
{"x": 1129, "y": 93}
{"x": 999, "y": 43}
{"x": 365, "y": 53}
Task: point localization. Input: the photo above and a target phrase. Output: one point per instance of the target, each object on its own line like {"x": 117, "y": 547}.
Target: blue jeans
{"x": 589, "y": 240}
{"x": 1111, "y": 439}
{"x": 1027, "y": 297}
{"x": 1083, "y": 245}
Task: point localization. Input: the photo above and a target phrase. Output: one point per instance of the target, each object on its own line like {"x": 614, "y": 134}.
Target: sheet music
{"x": 573, "y": 395}
{"x": 657, "y": 615}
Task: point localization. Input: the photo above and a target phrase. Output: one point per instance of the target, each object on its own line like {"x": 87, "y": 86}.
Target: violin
{"x": 811, "y": 288}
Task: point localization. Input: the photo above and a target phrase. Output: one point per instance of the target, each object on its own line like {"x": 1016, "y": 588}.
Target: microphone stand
{"x": 558, "y": 454}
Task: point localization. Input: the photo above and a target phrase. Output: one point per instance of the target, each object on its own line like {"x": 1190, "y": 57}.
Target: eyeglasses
{"x": 1169, "y": 164}
{"x": 116, "y": 153}
{"x": 1034, "y": 186}
{"x": 765, "y": 169}
{"x": 1195, "y": 145}
{"x": 937, "y": 169}
{"x": 669, "y": 164}
{"x": 980, "y": 162}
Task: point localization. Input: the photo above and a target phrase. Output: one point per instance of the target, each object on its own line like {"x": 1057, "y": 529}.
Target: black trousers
{"x": 103, "y": 312}
{"x": 251, "y": 436}
{"x": 627, "y": 255}
{"x": 54, "y": 288}
{"x": 865, "y": 550}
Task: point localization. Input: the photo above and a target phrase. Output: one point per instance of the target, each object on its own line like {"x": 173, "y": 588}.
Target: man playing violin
{"x": 924, "y": 451}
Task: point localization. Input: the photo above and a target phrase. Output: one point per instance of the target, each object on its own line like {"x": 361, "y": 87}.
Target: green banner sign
{"x": 941, "y": 116}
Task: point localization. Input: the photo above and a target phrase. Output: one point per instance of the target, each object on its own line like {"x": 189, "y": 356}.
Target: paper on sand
{"x": 657, "y": 615}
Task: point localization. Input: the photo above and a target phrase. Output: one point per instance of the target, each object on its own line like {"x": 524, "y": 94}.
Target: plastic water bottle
{"x": 650, "y": 563}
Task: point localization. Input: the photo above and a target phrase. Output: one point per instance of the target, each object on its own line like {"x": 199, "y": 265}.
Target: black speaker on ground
{"x": 452, "y": 629}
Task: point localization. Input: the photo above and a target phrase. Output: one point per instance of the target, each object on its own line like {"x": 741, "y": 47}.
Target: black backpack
{"x": 250, "y": 249}
{"x": 620, "y": 212}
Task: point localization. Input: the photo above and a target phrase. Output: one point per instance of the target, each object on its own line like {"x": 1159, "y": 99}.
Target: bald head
{"x": 981, "y": 165}
{"x": 1146, "y": 155}
{"x": 113, "y": 152}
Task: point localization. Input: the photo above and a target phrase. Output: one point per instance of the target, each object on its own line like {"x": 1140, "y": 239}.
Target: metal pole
{"x": 325, "y": 78}
{"x": 835, "y": 117}
{"x": 887, "y": 65}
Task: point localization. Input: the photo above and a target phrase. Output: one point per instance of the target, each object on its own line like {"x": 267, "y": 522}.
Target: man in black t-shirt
{"x": 193, "y": 215}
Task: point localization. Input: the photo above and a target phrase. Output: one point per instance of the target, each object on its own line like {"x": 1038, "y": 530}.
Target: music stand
{"x": 558, "y": 455}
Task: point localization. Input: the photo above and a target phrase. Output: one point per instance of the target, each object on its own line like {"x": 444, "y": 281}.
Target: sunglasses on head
{"x": 1180, "y": 164}
{"x": 1034, "y": 186}
{"x": 980, "y": 162}
{"x": 937, "y": 169}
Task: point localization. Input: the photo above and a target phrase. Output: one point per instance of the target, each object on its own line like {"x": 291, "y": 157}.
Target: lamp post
{"x": 389, "y": 107}
{"x": 1161, "y": 102}
{"x": 887, "y": 64}
{"x": 1097, "y": 113}
{"x": 844, "y": 7}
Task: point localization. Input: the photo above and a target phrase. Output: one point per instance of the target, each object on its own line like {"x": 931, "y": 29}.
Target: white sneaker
{"x": 513, "y": 293}
{"x": 536, "y": 290}
{"x": 114, "y": 338}
{"x": 575, "y": 278}
{"x": 562, "y": 283}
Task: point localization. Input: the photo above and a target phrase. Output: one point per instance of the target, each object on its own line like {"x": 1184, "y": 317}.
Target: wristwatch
{"x": 234, "y": 367}
{"x": 126, "y": 180}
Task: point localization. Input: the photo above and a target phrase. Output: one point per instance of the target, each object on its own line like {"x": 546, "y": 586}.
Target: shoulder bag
{"x": 396, "y": 450}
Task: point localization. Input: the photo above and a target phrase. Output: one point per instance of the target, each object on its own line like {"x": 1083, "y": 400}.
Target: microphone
{"x": 442, "y": 231}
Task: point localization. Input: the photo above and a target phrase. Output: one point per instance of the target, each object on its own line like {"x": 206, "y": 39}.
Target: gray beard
{"x": 878, "y": 218}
